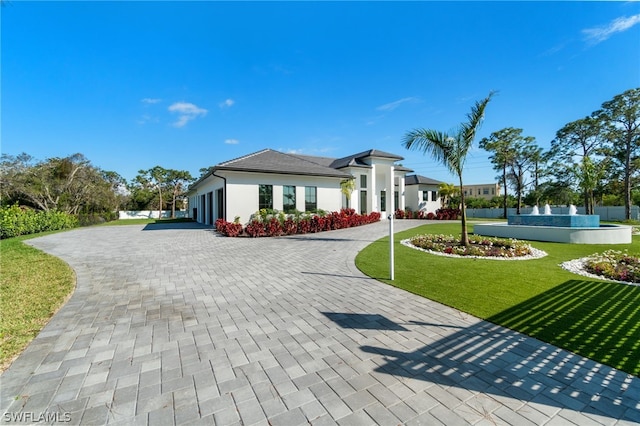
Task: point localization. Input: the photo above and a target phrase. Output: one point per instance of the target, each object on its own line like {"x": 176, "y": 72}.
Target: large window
{"x": 310, "y": 198}
{"x": 383, "y": 201}
{"x": 288, "y": 198}
{"x": 363, "y": 181}
{"x": 265, "y": 196}
{"x": 363, "y": 202}
{"x": 434, "y": 196}
{"x": 425, "y": 195}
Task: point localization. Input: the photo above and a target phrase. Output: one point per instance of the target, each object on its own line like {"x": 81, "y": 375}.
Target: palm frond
{"x": 439, "y": 145}
{"x": 474, "y": 119}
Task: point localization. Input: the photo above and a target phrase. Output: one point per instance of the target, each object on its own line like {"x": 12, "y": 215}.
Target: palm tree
{"x": 451, "y": 148}
{"x": 447, "y": 190}
{"x": 346, "y": 187}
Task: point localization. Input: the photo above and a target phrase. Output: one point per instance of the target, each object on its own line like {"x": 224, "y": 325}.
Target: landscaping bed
{"x": 274, "y": 224}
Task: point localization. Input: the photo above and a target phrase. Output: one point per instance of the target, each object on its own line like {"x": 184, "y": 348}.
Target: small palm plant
{"x": 451, "y": 148}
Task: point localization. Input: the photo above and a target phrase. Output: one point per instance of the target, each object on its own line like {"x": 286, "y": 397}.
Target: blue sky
{"x": 187, "y": 85}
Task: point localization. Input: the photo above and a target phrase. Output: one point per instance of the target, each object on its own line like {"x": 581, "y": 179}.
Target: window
{"x": 363, "y": 202}
{"x": 493, "y": 191}
{"x": 425, "y": 195}
{"x": 265, "y": 196}
{"x": 310, "y": 198}
{"x": 485, "y": 191}
{"x": 434, "y": 196}
{"x": 396, "y": 199}
{"x": 383, "y": 201}
{"x": 363, "y": 181}
{"x": 288, "y": 198}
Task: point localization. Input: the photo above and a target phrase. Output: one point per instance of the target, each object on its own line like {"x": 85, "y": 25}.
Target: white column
{"x": 373, "y": 191}
{"x": 401, "y": 199}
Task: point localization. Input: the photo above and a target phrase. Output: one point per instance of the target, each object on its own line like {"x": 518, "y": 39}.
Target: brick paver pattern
{"x": 174, "y": 324}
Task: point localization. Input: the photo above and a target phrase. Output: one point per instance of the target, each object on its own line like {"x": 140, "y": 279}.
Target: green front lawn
{"x": 33, "y": 286}
{"x": 596, "y": 319}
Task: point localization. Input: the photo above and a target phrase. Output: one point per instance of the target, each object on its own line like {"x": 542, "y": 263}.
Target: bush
{"x": 15, "y": 221}
{"x": 273, "y": 223}
{"x": 88, "y": 219}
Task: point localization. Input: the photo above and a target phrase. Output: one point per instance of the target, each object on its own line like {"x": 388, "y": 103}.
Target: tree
{"x": 501, "y": 144}
{"x": 155, "y": 178}
{"x": 177, "y": 181}
{"x": 621, "y": 118}
{"x": 70, "y": 184}
{"x": 451, "y": 149}
{"x": 522, "y": 164}
{"x": 574, "y": 148}
{"x": 347, "y": 186}
{"x": 447, "y": 191}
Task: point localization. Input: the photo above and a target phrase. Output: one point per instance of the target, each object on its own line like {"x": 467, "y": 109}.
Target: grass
{"x": 596, "y": 319}
{"x": 33, "y": 286}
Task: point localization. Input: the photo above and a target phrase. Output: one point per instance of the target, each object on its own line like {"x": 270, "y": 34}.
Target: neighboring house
{"x": 271, "y": 179}
{"x": 421, "y": 193}
{"x": 486, "y": 191}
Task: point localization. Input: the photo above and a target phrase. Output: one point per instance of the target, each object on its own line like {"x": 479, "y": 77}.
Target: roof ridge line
{"x": 224, "y": 163}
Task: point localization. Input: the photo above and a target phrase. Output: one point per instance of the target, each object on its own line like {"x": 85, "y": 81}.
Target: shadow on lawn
{"x": 489, "y": 358}
{"x": 599, "y": 320}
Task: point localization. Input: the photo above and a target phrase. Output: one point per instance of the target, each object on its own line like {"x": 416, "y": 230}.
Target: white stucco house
{"x": 422, "y": 193}
{"x": 286, "y": 182}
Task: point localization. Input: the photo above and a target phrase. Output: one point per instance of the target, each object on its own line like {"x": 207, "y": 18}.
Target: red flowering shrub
{"x": 447, "y": 214}
{"x": 431, "y": 216}
{"x": 255, "y": 228}
{"x": 229, "y": 229}
{"x": 276, "y": 226}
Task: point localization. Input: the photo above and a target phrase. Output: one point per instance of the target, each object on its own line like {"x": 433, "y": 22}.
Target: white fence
{"x": 606, "y": 213}
{"x": 149, "y": 214}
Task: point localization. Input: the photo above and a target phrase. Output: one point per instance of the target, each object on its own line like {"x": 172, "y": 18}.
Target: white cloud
{"x": 150, "y": 100}
{"x": 295, "y": 151}
{"x": 231, "y": 141}
{"x": 395, "y": 104}
{"x": 227, "y": 103}
{"x": 618, "y": 25}
{"x": 186, "y": 112}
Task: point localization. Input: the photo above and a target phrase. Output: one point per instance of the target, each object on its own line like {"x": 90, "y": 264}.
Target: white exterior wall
{"x": 243, "y": 194}
{"x": 205, "y": 211}
{"x": 380, "y": 177}
{"x": 415, "y": 201}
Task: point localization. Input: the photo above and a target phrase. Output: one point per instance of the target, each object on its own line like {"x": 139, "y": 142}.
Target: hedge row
{"x": 274, "y": 226}
{"x": 440, "y": 214}
{"x": 15, "y": 221}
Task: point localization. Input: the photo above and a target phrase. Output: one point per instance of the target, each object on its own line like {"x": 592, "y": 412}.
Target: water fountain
{"x": 561, "y": 228}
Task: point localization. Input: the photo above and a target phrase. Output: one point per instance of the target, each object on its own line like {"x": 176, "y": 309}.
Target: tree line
{"x": 75, "y": 186}
{"x": 592, "y": 161}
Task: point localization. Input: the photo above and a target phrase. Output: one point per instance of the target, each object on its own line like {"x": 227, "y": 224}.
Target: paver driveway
{"x": 175, "y": 325}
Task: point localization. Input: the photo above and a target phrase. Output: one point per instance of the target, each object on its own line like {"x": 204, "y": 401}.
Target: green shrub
{"x": 15, "y": 221}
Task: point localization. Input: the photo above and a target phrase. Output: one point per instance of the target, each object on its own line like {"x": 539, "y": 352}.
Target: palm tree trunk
{"x": 464, "y": 238}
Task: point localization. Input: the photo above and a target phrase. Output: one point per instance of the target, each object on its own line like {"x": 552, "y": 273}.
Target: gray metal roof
{"x": 270, "y": 161}
{"x": 356, "y": 160}
{"x": 418, "y": 179}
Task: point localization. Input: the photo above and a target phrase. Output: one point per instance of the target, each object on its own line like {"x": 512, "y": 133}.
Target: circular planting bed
{"x": 479, "y": 247}
{"x": 612, "y": 265}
